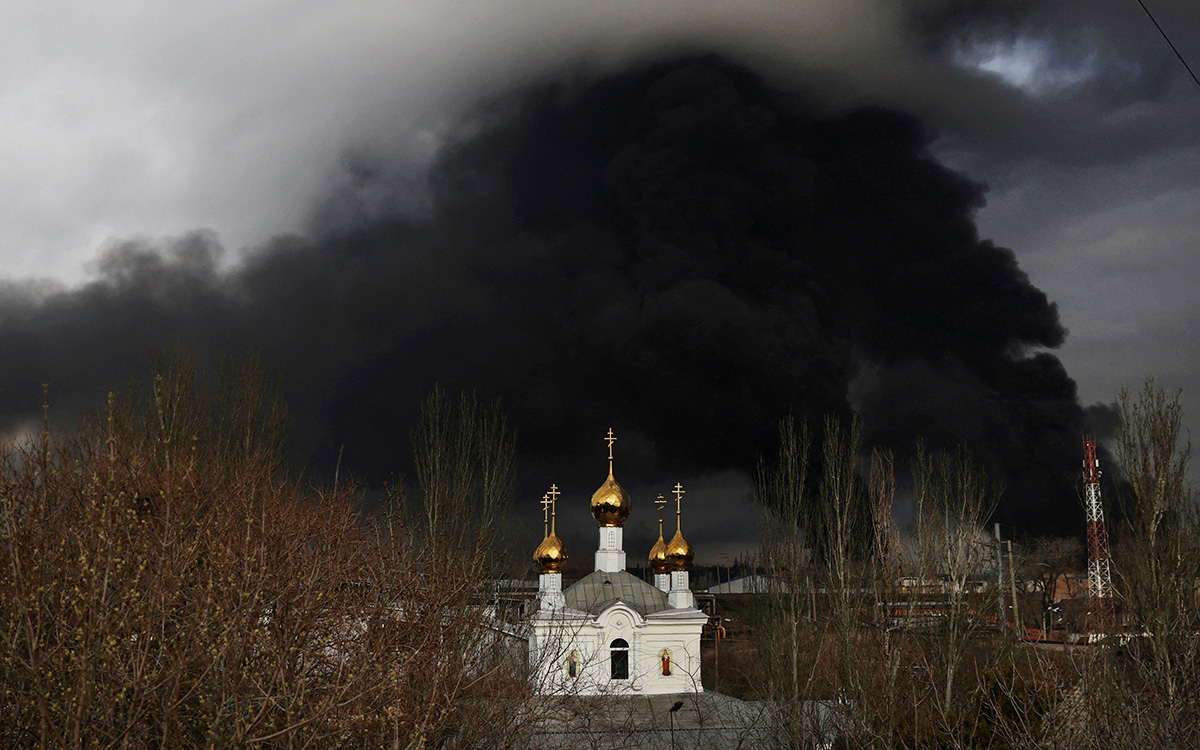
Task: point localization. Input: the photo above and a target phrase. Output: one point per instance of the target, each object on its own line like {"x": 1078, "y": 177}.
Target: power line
{"x": 1164, "y": 36}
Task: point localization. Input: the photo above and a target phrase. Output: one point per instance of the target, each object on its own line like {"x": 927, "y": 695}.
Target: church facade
{"x": 611, "y": 633}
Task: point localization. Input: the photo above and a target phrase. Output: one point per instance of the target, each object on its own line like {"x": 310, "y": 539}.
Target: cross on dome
{"x": 549, "y": 555}
{"x": 679, "y": 551}
{"x": 611, "y": 504}
{"x": 658, "y": 553}
{"x": 553, "y": 495}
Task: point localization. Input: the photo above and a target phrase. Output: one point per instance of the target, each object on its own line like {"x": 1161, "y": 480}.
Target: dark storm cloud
{"x": 86, "y": 340}
{"x": 1072, "y": 83}
{"x": 678, "y": 250}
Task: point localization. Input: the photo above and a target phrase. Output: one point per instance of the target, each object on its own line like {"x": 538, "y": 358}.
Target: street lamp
{"x": 678, "y": 705}
{"x": 1047, "y": 594}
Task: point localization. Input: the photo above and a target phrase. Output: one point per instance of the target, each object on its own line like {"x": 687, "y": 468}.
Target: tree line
{"x": 167, "y": 580}
{"x": 899, "y": 629}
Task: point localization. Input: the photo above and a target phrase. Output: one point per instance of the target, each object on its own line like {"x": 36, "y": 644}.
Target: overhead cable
{"x": 1172, "y": 46}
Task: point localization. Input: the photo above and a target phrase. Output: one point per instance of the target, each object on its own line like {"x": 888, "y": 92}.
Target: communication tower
{"x": 1100, "y": 590}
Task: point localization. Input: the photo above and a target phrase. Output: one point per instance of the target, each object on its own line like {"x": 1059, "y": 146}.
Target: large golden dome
{"x": 610, "y": 503}
{"x": 658, "y": 556}
{"x": 550, "y": 554}
{"x": 679, "y": 553}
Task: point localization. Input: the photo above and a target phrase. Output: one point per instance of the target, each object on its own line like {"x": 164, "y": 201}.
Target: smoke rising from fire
{"x": 680, "y": 250}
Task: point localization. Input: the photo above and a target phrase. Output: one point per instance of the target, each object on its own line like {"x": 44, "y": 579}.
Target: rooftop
{"x": 597, "y": 591}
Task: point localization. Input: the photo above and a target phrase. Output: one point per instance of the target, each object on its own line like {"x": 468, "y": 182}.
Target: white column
{"x": 550, "y": 595}
{"x": 680, "y": 595}
{"x": 610, "y": 558}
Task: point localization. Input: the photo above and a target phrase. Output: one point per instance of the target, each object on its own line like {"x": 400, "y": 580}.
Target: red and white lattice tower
{"x": 1100, "y": 590}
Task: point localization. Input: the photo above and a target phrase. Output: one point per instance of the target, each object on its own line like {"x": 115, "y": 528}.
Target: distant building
{"x": 751, "y": 584}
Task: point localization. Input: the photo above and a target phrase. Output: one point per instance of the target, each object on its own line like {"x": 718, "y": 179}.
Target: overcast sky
{"x": 150, "y": 120}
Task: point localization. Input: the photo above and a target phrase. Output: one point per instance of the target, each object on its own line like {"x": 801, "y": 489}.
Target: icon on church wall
{"x": 573, "y": 664}
{"x": 665, "y": 657}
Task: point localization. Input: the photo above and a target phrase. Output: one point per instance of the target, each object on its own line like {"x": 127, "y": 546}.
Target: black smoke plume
{"x": 680, "y": 250}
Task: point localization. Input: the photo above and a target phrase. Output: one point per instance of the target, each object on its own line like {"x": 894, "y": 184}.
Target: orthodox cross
{"x": 546, "y": 501}
{"x": 553, "y": 495}
{"x": 610, "y": 439}
{"x": 678, "y": 499}
{"x": 660, "y": 502}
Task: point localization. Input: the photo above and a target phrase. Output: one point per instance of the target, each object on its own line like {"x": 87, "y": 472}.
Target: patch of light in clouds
{"x": 1033, "y": 65}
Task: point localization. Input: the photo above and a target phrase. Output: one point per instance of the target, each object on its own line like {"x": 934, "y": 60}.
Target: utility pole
{"x": 1012, "y": 582}
{"x": 999, "y": 578}
{"x": 717, "y": 656}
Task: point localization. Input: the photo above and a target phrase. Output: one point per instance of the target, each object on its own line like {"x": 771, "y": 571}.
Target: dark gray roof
{"x": 596, "y": 591}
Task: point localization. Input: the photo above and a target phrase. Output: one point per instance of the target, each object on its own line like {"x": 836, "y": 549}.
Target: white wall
{"x": 553, "y": 638}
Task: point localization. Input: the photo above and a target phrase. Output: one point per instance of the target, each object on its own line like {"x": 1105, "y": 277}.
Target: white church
{"x": 611, "y": 633}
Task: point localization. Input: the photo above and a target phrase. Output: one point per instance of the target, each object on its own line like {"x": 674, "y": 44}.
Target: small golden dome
{"x": 550, "y": 554}
{"x": 679, "y": 553}
{"x": 610, "y": 503}
{"x": 658, "y": 556}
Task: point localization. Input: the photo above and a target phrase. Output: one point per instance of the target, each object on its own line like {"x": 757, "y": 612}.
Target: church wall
{"x": 553, "y": 640}
{"x": 683, "y": 641}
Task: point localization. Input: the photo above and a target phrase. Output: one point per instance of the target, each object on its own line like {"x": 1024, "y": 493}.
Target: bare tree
{"x": 1159, "y": 563}
{"x": 164, "y": 582}
{"x": 843, "y": 530}
{"x": 466, "y": 466}
{"x": 816, "y": 548}
{"x": 881, "y": 698}
{"x": 780, "y": 492}
{"x": 1047, "y": 566}
{"x": 844, "y": 569}
{"x": 1135, "y": 688}
{"x": 954, "y": 499}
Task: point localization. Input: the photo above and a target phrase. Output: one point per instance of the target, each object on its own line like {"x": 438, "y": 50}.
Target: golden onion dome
{"x": 610, "y": 503}
{"x": 679, "y": 553}
{"x": 658, "y": 556}
{"x": 550, "y": 554}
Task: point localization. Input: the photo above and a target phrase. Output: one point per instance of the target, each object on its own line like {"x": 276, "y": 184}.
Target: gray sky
{"x": 139, "y": 119}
